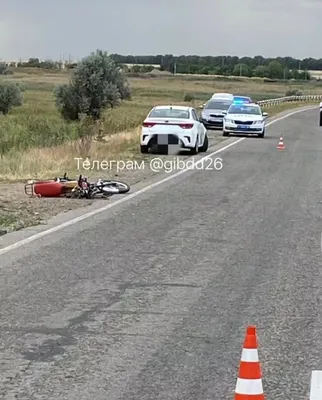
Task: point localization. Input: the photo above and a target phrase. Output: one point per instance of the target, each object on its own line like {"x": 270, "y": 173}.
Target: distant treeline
{"x": 273, "y": 68}
{"x": 278, "y": 68}
{"x": 36, "y": 63}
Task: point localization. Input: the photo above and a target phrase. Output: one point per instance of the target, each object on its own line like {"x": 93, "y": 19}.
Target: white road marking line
{"x": 132, "y": 195}
{"x": 316, "y": 385}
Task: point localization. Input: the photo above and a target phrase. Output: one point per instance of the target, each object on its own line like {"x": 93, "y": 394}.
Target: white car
{"x": 223, "y": 96}
{"x": 177, "y": 125}
{"x": 244, "y": 119}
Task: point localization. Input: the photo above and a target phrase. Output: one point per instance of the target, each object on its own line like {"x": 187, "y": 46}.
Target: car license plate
{"x": 242, "y": 126}
{"x": 217, "y": 119}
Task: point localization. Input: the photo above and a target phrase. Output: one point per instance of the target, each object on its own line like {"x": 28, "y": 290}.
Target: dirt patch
{"x": 19, "y": 211}
{"x": 157, "y": 72}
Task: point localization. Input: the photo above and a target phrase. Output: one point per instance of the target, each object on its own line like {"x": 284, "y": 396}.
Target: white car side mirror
{"x": 265, "y": 114}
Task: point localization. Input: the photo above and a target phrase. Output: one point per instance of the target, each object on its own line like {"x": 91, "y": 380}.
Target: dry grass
{"x": 273, "y": 110}
{"x": 54, "y": 161}
{"x": 36, "y": 142}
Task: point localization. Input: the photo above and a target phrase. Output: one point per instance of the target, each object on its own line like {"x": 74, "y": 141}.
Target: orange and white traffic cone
{"x": 249, "y": 382}
{"x": 281, "y": 144}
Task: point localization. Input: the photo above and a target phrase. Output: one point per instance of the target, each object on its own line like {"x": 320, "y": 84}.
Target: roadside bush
{"x": 188, "y": 97}
{"x": 97, "y": 83}
{"x": 293, "y": 92}
{"x": 10, "y": 96}
{"x": 21, "y": 86}
{"x": 3, "y": 68}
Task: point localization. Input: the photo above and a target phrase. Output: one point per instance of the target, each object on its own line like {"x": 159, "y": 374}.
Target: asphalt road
{"x": 152, "y": 302}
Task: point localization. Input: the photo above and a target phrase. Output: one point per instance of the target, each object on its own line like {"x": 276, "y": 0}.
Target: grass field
{"x": 36, "y": 142}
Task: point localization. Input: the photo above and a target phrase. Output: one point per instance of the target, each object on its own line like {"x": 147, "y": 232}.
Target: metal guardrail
{"x": 287, "y": 99}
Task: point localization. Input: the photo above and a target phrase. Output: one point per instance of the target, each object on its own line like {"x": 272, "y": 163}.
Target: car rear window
{"x": 169, "y": 113}
{"x": 218, "y": 105}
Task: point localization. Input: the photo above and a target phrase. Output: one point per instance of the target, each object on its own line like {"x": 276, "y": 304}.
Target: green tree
{"x": 261, "y": 71}
{"x": 275, "y": 70}
{"x": 10, "y": 96}
{"x": 218, "y": 71}
{"x": 294, "y": 74}
{"x": 204, "y": 70}
{"x": 48, "y": 64}
{"x": 146, "y": 68}
{"x": 136, "y": 69}
{"x": 242, "y": 70}
{"x": 97, "y": 83}
{"x": 32, "y": 63}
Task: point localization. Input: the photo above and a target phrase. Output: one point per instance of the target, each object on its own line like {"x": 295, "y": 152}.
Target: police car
{"x": 246, "y": 119}
{"x": 242, "y": 99}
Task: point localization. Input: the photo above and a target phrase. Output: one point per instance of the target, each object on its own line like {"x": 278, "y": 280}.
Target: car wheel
{"x": 205, "y": 145}
{"x": 195, "y": 150}
{"x": 225, "y": 133}
{"x": 261, "y": 135}
{"x": 144, "y": 149}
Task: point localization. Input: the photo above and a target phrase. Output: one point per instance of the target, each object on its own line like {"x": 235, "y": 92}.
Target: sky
{"x": 75, "y": 28}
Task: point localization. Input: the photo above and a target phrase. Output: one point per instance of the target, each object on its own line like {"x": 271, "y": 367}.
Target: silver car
{"x": 212, "y": 114}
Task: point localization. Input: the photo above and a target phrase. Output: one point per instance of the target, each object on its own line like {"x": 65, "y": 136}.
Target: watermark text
{"x": 157, "y": 164}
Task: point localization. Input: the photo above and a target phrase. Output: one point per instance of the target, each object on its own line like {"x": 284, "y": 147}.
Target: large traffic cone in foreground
{"x": 281, "y": 144}
{"x": 249, "y": 382}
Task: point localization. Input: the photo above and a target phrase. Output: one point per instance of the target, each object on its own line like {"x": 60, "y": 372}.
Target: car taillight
{"x": 148, "y": 124}
{"x": 186, "y": 126}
